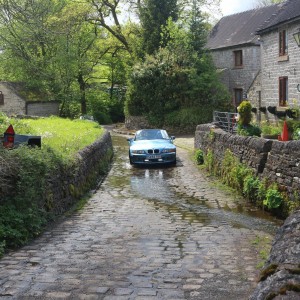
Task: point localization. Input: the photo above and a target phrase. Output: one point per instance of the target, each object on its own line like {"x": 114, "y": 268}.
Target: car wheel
{"x": 130, "y": 160}
{"x": 173, "y": 163}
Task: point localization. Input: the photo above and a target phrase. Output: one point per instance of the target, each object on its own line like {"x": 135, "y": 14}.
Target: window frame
{"x": 238, "y": 58}
{"x": 283, "y": 42}
{"x": 236, "y": 91}
{"x": 283, "y": 90}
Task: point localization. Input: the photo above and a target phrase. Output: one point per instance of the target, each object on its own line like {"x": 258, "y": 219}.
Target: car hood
{"x": 149, "y": 144}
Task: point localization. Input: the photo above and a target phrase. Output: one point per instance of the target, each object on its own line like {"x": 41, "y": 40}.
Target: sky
{"x": 230, "y": 7}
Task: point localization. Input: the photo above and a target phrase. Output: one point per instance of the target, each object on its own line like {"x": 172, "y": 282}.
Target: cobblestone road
{"x": 159, "y": 233}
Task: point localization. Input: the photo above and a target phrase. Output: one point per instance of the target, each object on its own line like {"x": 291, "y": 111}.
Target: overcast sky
{"x": 230, "y": 7}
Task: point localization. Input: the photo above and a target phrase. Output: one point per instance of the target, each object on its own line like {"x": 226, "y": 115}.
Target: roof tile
{"x": 240, "y": 28}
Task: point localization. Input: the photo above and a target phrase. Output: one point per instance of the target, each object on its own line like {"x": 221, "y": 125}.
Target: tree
{"x": 56, "y": 50}
{"x": 106, "y": 15}
{"x": 26, "y": 40}
{"x": 198, "y": 28}
{"x": 176, "y": 86}
{"x": 153, "y": 15}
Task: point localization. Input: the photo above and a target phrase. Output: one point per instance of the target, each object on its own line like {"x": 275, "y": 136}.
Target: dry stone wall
{"x": 278, "y": 161}
{"x": 280, "y": 278}
{"x": 68, "y": 184}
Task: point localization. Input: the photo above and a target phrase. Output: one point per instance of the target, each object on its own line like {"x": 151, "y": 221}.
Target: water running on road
{"x": 147, "y": 233}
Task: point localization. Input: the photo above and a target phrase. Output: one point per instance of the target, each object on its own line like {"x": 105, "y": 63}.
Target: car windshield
{"x": 151, "y": 134}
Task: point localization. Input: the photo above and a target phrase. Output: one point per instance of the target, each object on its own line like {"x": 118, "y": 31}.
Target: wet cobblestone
{"x": 158, "y": 233}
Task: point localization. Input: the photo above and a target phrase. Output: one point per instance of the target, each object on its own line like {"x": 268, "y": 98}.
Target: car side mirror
{"x": 130, "y": 140}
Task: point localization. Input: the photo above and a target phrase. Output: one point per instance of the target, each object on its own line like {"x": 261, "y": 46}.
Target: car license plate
{"x": 154, "y": 156}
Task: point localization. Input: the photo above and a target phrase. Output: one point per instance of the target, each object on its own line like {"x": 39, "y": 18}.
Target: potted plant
{"x": 270, "y": 131}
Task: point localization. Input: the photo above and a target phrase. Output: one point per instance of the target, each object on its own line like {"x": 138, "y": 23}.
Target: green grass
{"x": 64, "y": 135}
{"x": 263, "y": 247}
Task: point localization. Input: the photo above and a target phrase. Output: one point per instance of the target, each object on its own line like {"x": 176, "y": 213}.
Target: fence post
{"x": 228, "y": 122}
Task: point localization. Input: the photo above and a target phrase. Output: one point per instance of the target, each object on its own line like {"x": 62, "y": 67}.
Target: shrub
{"x": 251, "y": 187}
{"x": 24, "y": 209}
{"x": 273, "y": 198}
{"x": 188, "y": 117}
{"x": 17, "y": 226}
{"x": 270, "y": 129}
{"x": 294, "y": 128}
{"x": 232, "y": 172}
{"x": 209, "y": 161}
{"x": 245, "y": 115}
{"x": 199, "y": 157}
{"x": 249, "y": 130}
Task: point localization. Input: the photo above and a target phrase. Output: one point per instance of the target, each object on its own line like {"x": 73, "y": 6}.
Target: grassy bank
{"x": 24, "y": 171}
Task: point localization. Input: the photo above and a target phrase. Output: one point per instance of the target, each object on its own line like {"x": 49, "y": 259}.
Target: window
{"x": 283, "y": 91}
{"x": 238, "y": 97}
{"x": 238, "y": 58}
{"x": 282, "y": 43}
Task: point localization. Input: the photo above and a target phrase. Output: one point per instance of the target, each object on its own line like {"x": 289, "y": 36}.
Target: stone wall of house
{"x": 42, "y": 109}
{"x": 238, "y": 77}
{"x": 254, "y": 96}
{"x": 12, "y": 103}
{"x": 278, "y": 161}
{"x": 273, "y": 67}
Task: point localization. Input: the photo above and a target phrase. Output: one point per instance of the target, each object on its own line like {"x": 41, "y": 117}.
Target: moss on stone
{"x": 270, "y": 270}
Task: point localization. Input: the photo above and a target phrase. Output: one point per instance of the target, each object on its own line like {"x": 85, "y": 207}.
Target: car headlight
{"x": 137, "y": 151}
{"x": 168, "y": 150}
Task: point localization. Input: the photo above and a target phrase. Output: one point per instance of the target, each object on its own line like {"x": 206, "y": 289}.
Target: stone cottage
{"x": 13, "y": 101}
{"x": 280, "y": 57}
{"x": 235, "y": 48}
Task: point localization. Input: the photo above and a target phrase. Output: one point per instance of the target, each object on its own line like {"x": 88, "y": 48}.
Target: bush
{"x": 199, "y": 157}
{"x": 251, "y": 188}
{"x": 24, "y": 209}
{"x": 209, "y": 161}
{"x": 245, "y": 115}
{"x": 294, "y": 128}
{"x": 189, "y": 117}
{"x": 232, "y": 172}
{"x": 249, "y": 130}
{"x": 171, "y": 88}
{"x": 17, "y": 226}
{"x": 270, "y": 129}
{"x": 22, "y": 212}
{"x": 273, "y": 198}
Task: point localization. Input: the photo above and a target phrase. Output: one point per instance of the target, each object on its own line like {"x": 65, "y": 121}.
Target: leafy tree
{"x": 57, "y": 51}
{"x": 26, "y": 40}
{"x": 198, "y": 28}
{"x": 175, "y": 79}
{"x": 153, "y": 15}
{"x": 106, "y": 15}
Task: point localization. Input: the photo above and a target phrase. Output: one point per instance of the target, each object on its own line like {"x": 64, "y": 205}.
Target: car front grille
{"x": 151, "y": 151}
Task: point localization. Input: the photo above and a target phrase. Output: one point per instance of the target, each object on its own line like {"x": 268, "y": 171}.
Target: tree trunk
{"x": 82, "y": 86}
